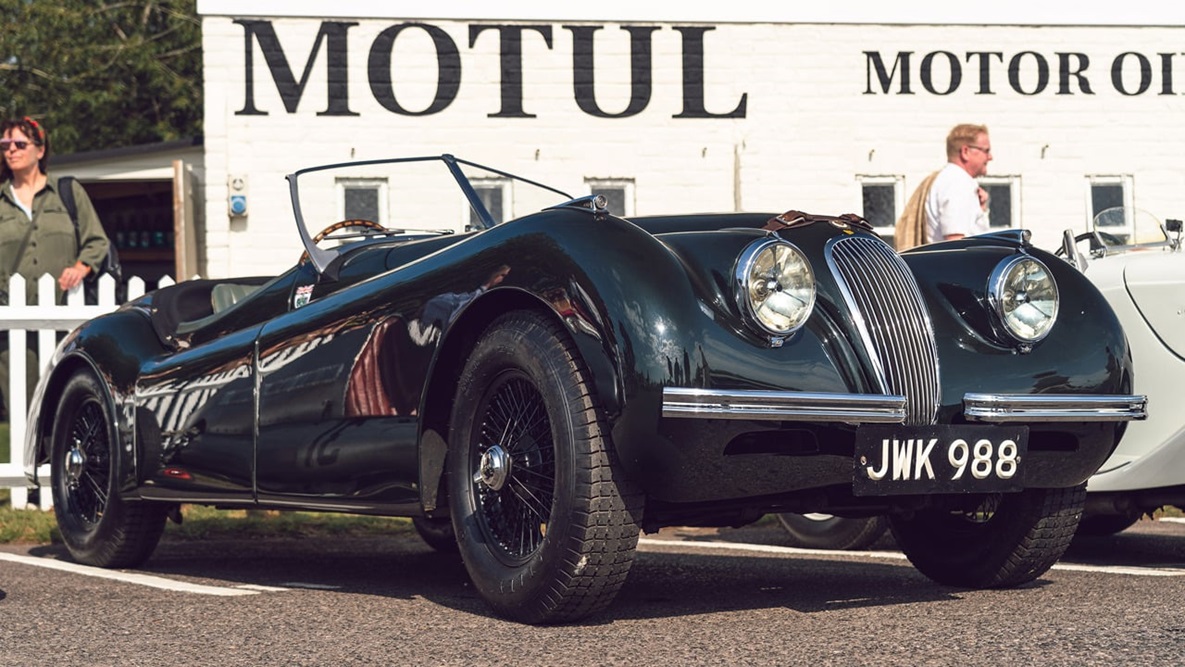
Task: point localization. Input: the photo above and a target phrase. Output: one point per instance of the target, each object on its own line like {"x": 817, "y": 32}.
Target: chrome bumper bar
{"x": 1053, "y": 408}
{"x": 782, "y": 406}
{"x": 890, "y": 409}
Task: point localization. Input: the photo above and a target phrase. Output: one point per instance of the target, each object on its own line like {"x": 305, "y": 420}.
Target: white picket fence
{"x": 17, "y": 321}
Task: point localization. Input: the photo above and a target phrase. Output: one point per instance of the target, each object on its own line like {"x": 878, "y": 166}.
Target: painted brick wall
{"x": 816, "y": 117}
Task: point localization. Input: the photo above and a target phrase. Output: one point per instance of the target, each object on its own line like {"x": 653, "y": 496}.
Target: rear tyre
{"x": 437, "y": 533}
{"x": 1010, "y": 539}
{"x": 825, "y": 531}
{"x": 98, "y": 527}
{"x": 546, "y": 523}
{"x": 1102, "y": 525}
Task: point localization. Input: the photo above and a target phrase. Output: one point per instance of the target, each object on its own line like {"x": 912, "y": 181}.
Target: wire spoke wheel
{"x": 87, "y": 464}
{"x": 98, "y": 527}
{"x": 514, "y": 468}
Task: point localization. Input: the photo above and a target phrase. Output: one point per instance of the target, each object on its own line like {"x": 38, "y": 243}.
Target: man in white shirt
{"x": 956, "y": 206}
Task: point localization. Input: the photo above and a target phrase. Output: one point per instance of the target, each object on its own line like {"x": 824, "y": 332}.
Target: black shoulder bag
{"x": 110, "y": 263}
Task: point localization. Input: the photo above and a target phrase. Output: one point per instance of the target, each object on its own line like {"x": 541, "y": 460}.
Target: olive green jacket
{"x": 52, "y": 244}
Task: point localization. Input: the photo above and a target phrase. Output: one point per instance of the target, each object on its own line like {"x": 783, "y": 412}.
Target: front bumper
{"x": 1054, "y": 407}
{"x": 890, "y": 409}
{"x": 769, "y": 447}
{"x": 783, "y": 406}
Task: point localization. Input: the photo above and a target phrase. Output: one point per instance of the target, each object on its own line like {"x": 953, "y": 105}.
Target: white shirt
{"x": 952, "y": 206}
{"x": 20, "y": 204}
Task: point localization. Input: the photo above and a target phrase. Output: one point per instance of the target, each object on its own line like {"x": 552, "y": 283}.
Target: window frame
{"x": 1124, "y": 181}
{"x": 379, "y": 184}
{"x": 898, "y": 183}
{"x": 626, "y": 185}
{"x": 1014, "y": 208}
{"x": 492, "y": 183}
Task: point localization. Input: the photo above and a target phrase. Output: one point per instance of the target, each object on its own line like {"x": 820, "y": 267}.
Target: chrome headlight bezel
{"x": 1007, "y": 300}
{"x": 758, "y": 313}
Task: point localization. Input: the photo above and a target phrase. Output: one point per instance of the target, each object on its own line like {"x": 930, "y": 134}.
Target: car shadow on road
{"x": 665, "y": 581}
{"x": 1146, "y": 544}
{"x": 664, "y": 585}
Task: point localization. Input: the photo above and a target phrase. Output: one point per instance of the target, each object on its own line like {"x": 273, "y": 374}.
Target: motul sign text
{"x": 334, "y": 37}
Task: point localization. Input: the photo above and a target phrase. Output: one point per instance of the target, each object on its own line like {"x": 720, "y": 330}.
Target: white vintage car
{"x": 1138, "y": 264}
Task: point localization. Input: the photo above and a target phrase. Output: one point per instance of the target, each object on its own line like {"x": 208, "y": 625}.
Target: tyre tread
{"x": 1022, "y": 545}
{"x": 602, "y": 535}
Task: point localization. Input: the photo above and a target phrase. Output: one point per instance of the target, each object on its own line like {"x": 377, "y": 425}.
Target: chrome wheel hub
{"x": 494, "y": 469}
{"x": 75, "y": 462}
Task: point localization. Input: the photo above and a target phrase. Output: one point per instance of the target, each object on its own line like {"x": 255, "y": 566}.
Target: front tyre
{"x": 98, "y": 527}
{"x": 1006, "y": 541}
{"x": 545, "y": 521}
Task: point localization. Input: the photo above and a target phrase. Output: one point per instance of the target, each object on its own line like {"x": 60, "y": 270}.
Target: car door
{"x": 195, "y": 416}
{"x": 328, "y": 435}
{"x": 196, "y": 408}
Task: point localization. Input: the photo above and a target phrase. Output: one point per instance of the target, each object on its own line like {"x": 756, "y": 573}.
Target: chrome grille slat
{"x": 892, "y": 321}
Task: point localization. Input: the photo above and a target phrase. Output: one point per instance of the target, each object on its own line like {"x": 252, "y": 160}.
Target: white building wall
{"x": 812, "y": 123}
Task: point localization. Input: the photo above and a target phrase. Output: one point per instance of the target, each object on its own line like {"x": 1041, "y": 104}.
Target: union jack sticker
{"x": 304, "y": 294}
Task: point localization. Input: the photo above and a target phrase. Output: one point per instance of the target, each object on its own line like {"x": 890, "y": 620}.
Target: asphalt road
{"x": 694, "y": 597}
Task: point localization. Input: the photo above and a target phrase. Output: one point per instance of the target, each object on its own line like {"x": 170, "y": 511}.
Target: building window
{"x": 882, "y": 197}
{"x": 619, "y": 192}
{"x": 363, "y": 199}
{"x": 493, "y": 195}
{"x": 1003, "y": 204}
{"x": 1110, "y": 205}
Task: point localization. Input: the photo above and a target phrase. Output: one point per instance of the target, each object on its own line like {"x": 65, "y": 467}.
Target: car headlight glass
{"x": 1025, "y": 297}
{"x": 776, "y": 286}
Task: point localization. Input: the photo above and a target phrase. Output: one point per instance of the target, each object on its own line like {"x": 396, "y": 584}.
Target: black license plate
{"x": 895, "y": 460}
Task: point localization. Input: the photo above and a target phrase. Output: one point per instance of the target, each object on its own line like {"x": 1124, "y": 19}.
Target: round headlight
{"x": 776, "y": 286}
{"x": 1024, "y": 296}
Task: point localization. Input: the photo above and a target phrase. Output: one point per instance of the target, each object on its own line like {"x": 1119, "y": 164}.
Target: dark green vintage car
{"x": 534, "y": 393}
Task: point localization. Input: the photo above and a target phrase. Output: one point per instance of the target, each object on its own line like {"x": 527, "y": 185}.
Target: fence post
{"x": 16, "y": 320}
{"x": 14, "y": 394}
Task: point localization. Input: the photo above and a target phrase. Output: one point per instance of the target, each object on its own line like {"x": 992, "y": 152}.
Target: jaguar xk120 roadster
{"x": 536, "y": 392}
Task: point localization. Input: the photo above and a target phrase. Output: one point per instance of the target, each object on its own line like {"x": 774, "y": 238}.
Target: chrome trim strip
{"x": 1054, "y": 407}
{"x": 782, "y": 405}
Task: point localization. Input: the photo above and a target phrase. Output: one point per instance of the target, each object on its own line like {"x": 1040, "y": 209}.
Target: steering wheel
{"x": 1098, "y": 243}
{"x": 327, "y": 233}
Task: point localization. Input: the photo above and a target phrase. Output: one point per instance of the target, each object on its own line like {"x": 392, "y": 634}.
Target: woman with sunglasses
{"x": 36, "y": 232}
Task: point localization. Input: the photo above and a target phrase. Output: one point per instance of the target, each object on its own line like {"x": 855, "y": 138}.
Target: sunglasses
{"x": 5, "y": 144}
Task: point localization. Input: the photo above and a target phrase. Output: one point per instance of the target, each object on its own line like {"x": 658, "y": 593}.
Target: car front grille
{"x": 891, "y": 320}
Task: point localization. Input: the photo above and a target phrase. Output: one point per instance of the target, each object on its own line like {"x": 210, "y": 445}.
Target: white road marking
{"x": 126, "y": 577}
{"x": 896, "y": 555}
{"x": 261, "y": 588}
{"x": 315, "y": 587}
{"x": 1172, "y": 519}
{"x": 770, "y": 549}
{"x": 1135, "y": 571}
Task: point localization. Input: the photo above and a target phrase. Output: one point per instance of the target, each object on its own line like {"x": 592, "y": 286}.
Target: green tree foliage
{"x": 102, "y": 74}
